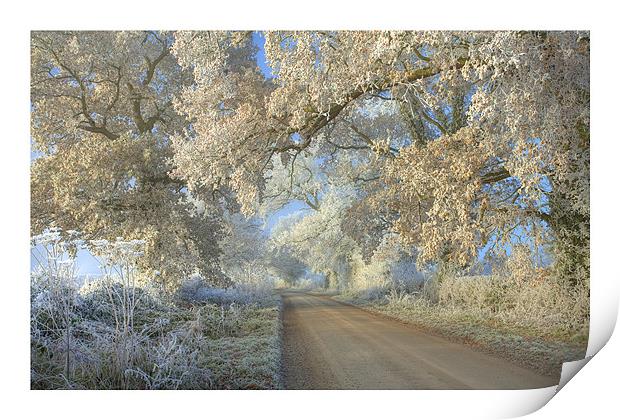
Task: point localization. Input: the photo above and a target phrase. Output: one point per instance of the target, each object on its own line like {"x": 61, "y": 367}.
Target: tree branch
{"x": 495, "y": 176}
{"x": 316, "y": 123}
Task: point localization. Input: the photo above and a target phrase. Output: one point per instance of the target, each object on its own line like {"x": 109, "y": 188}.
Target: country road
{"x": 330, "y": 345}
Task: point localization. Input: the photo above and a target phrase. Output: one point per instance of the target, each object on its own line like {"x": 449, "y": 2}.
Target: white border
{"x": 115, "y": 14}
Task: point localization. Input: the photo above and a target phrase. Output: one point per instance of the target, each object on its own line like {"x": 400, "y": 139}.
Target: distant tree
{"x": 244, "y": 250}
{"x": 282, "y": 264}
{"x": 317, "y": 240}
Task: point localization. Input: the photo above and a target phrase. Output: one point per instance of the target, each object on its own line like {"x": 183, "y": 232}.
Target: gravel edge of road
{"x": 280, "y": 343}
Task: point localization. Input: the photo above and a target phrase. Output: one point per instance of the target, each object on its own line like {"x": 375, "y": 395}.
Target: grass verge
{"x": 171, "y": 343}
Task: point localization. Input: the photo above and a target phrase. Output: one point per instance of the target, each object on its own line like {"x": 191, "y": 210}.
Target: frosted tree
{"x": 302, "y": 180}
{"x": 243, "y": 251}
{"x": 451, "y": 140}
{"x": 102, "y": 117}
{"x": 282, "y": 264}
{"x": 491, "y": 133}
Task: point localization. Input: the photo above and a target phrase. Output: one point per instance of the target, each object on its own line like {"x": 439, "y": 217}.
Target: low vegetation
{"x": 113, "y": 334}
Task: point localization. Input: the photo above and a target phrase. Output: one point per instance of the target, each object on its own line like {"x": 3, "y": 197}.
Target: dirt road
{"x": 329, "y": 345}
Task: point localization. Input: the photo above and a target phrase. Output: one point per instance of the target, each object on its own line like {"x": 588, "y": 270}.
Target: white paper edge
{"x": 604, "y": 301}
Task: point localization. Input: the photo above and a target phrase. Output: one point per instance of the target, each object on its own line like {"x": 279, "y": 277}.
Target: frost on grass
{"x": 114, "y": 334}
{"x": 172, "y": 345}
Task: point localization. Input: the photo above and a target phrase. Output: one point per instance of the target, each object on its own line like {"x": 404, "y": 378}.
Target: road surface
{"x": 330, "y": 345}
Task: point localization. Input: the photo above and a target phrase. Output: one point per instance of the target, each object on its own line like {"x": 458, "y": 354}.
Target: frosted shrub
{"x": 535, "y": 296}
{"x": 374, "y": 292}
{"x": 519, "y": 296}
{"x": 96, "y": 336}
{"x": 546, "y": 303}
{"x": 253, "y": 281}
{"x": 405, "y": 277}
{"x": 249, "y": 290}
{"x": 485, "y": 293}
{"x": 101, "y": 299}
{"x": 396, "y": 297}
{"x": 215, "y": 295}
{"x": 54, "y": 297}
{"x": 118, "y": 263}
{"x": 172, "y": 364}
{"x": 389, "y": 270}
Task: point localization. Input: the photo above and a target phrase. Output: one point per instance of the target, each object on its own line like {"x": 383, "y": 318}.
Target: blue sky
{"x": 86, "y": 263}
{"x": 259, "y": 40}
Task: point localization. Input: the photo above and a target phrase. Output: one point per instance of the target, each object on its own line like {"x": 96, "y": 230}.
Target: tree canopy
{"x": 444, "y": 143}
